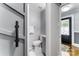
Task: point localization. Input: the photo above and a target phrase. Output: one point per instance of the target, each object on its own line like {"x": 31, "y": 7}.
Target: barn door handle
{"x": 16, "y": 37}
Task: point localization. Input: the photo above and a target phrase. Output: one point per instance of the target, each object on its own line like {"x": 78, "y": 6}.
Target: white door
{"x": 8, "y": 34}
{"x": 17, "y": 6}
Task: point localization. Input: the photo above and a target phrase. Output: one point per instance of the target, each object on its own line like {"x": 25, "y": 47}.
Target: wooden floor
{"x": 73, "y": 51}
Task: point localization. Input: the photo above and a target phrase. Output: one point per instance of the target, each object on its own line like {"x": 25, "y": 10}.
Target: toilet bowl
{"x": 36, "y": 50}
{"x": 37, "y": 47}
{"x": 32, "y": 53}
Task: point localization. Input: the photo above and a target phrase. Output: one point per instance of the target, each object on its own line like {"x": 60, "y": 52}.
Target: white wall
{"x": 53, "y": 30}
{"x": 76, "y": 21}
{"x": 34, "y": 23}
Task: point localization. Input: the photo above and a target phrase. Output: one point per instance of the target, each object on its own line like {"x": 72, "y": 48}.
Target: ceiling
{"x": 74, "y": 5}
{"x": 73, "y": 9}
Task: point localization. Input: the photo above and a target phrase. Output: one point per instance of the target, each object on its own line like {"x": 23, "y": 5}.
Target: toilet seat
{"x": 36, "y": 49}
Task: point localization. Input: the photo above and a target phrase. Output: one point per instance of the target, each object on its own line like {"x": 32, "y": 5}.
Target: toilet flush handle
{"x": 16, "y": 31}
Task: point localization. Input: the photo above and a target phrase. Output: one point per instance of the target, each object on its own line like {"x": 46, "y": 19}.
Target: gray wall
{"x": 76, "y": 38}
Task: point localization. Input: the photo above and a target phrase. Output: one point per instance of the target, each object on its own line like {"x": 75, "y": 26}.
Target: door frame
{"x": 70, "y": 26}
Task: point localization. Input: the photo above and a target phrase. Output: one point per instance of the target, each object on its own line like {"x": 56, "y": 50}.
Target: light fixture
{"x": 66, "y": 8}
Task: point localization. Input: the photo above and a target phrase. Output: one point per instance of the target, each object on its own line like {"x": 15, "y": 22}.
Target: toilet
{"x": 36, "y": 51}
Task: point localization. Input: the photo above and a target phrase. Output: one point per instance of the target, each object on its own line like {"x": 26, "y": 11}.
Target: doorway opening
{"x": 66, "y": 36}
